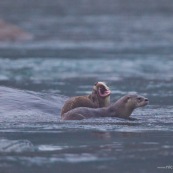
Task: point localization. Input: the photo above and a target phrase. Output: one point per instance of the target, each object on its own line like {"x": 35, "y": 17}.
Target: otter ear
{"x": 126, "y": 99}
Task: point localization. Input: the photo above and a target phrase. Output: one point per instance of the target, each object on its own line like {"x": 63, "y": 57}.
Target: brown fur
{"x": 122, "y": 108}
{"x": 79, "y": 101}
{"x": 92, "y": 101}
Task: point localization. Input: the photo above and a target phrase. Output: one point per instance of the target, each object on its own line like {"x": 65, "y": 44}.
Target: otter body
{"x": 80, "y": 101}
{"x": 122, "y": 108}
{"x": 100, "y": 97}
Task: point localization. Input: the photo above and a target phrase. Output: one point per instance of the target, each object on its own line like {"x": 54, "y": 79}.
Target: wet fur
{"x": 80, "y": 101}
{"x": 91, "y": 101}
{"x": 122, "y": 108}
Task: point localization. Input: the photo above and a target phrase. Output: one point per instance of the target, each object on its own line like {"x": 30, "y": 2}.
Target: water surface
{"x": 127, "y": 45}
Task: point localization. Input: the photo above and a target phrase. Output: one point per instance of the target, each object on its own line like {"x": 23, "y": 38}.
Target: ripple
{"x": 15, "y": 146}
{"x": 51, "y": 148}
{"x": 20, "y": 69}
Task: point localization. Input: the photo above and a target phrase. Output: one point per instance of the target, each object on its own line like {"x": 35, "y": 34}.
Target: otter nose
{"x": 146, "y": 99}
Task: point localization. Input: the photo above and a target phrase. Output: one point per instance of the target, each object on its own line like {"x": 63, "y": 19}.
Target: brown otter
{"x": 100, "y": 97}
{"x": 122, "y": 108}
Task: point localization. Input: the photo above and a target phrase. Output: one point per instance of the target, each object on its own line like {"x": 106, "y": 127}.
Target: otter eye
{"x": 139, "y": 99}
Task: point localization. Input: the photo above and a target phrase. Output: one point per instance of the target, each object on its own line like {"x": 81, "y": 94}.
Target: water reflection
{"x": 102, "y": 135}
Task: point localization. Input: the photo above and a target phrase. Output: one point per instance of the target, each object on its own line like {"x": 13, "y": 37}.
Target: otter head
{"x": 126, "y": 105}
{"x": 103, "y": 93}
{"x": 134, "y": 101}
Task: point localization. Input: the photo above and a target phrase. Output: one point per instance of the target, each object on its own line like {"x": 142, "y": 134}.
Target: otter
{"x": 122, "y": 108}
{"x": 100, "y": 97}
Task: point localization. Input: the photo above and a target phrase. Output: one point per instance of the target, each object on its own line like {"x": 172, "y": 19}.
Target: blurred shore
{"x": 10, "y": 32}
{"x": 71, "y": 20}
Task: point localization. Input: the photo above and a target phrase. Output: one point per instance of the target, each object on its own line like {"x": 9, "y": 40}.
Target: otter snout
{"x": 146, "y": 100}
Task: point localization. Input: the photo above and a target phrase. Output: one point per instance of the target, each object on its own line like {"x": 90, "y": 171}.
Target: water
{"x": 126, "y": 44}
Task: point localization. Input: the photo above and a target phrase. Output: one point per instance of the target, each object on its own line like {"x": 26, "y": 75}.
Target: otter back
{"x": 80, "y": 101}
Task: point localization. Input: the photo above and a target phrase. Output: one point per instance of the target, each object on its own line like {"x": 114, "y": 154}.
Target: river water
{"x": 127, "y": 44}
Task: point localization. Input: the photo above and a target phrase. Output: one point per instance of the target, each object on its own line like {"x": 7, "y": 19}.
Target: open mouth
{"x": 103, "y": 91}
